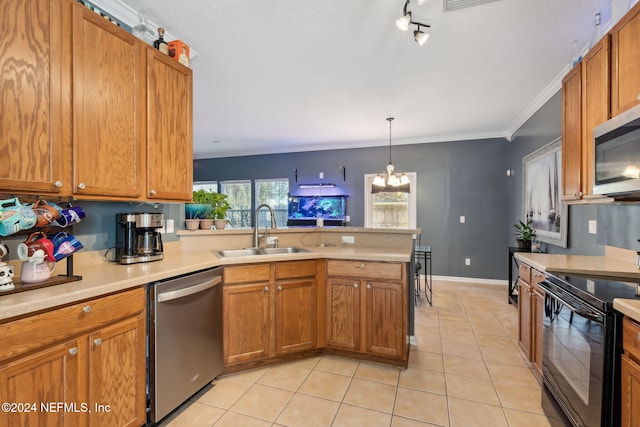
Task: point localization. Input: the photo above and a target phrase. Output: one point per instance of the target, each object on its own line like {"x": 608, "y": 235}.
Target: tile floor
{"x": 465, "y": 371}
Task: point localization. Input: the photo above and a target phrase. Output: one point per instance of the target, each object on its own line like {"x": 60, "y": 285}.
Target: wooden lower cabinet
{"x": 531, "y": 316}
{"x": 269, "y": 310}
{"x": 630, "y": 372}
{"x": 79, "y": 365}
{"x": 366, "y": 313}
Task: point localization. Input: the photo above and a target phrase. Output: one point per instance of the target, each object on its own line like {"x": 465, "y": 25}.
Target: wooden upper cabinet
{"x": 169, "y": 128}
{"x": 625, "y": 62}
{"x": 108, "y": 108}
{"x": 595, "y": 104}
{"x": 572, "y": 133}
{"x": 33, "y": 96}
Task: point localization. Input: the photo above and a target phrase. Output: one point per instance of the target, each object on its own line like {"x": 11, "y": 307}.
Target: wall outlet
{"x": 462, "y": 219}
{"x": 169, "y": 226}
{"x": 467, "y": 261}
{"x": 593, "y": 226}
{"x": 348, "y": 239}
{"x": 272, "y": 240}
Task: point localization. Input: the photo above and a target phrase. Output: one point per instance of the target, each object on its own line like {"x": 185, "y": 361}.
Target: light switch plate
{"x": 462, "y": 219}
{"x": 348, "y": 239}
{"x": 593, "y": 226}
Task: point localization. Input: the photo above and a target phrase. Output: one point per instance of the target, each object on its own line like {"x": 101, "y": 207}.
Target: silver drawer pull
{"x": 355, "y": 285}
{"x": 266, "y": 289}
{"x": 363, "y": 265}
{"x": 97, "y": 341}
{"x": 368, "y": 285}
{"x": 86, "y": 308}
{"x": 58, "y": 184}
{"x": 73, "y": 351}
{"x": 279, "y": 287}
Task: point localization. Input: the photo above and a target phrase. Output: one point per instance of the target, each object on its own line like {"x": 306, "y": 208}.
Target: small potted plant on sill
{"x": 219, "y": 208}
{"x": 524, "y": 234}
{"x": 198, "y": 210}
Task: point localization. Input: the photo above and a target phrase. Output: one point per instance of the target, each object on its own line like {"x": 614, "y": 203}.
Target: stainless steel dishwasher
{"x": 185, "y": 338}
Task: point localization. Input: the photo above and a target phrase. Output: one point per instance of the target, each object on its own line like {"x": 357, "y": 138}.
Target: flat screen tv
{"x": 304, "y": 210}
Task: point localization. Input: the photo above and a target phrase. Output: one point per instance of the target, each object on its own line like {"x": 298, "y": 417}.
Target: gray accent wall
{"x": 465, "y": 178}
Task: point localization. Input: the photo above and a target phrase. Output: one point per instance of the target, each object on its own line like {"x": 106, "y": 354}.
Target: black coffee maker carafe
{"x": 138, "y": 238}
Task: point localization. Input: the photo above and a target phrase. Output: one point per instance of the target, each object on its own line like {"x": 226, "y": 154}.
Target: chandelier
{"x": 391, "y": 181}
{"x": 403, "y": 23}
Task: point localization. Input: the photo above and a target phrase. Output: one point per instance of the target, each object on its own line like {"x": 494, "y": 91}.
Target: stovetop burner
{"x": 599, "y": 292}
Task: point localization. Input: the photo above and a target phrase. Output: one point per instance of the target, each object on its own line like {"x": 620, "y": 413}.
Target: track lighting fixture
{"x": 406, "y": 19}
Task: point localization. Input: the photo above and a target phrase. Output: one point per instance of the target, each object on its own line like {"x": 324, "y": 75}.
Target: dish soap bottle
{"x": 160, "y": 44}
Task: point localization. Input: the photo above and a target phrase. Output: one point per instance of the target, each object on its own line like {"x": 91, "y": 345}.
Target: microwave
{"x": 617, "y": 156}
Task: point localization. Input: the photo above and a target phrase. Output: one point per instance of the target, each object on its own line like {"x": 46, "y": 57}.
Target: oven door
{"x": 574, "y": 356}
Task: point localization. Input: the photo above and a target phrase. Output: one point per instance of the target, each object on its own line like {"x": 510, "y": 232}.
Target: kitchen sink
{"x": 258, "y": 251}
{"x": 287, "y": 250}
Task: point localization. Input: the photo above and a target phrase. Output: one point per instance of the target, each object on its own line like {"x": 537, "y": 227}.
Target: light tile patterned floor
{"x": 465, "y": 371}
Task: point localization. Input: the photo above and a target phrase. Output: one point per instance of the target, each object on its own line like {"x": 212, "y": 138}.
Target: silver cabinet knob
{"x": 279, "y": 287}
{"x": 153, "y": 192}
{"x": 86, "y": 308}
{"x": 82, "y": 186}
{"x": 638, "y": 97}
{"x": 97, "y": 341}
{"x": 363, "y": 265}
{"x": 355, "y": 285}
{"x": 266, "y": 289}
{"x": 368, "y": 285}
{"x": 58, "y": 184}
{"x": 73, "y": 351}
{"x": 638, "y": 336}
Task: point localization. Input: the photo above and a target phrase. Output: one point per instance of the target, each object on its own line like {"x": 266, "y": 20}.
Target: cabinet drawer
{"x": 246, "y": 273}
{"x": 631, "y": 338}
{"x": 524, "y": 271}
{"x": 537, "y": 277}
{"x": 294, "y": 269}
{"x": 24, "y": 335}
{"x": 366, "y": 270}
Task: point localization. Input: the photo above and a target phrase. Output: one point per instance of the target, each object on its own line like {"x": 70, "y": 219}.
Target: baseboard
{"x": 472, "y": 280}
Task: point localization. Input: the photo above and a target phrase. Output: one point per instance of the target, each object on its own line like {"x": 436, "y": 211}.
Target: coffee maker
{"x": 138, "y": 237}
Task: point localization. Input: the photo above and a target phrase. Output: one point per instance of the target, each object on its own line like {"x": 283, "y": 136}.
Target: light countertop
{"x": 622, "y": 269}
{"x": 100, "y": 277}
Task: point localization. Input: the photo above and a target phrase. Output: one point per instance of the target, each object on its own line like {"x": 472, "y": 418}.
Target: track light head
{"x": 403, "y": 23}
{"x": 420, "y": 36}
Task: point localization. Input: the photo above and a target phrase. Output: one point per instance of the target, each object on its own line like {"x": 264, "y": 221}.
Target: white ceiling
{"x": 297, "y": 75}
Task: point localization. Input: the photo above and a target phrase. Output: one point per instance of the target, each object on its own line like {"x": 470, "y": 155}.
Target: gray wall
{"x": 454, "y": 178}
{"x": 618, "y": 224}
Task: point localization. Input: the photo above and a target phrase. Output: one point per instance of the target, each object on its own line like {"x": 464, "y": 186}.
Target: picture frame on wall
{"x": 542, "y": 194}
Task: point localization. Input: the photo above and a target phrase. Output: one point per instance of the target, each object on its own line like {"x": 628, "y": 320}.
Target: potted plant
{"x": 524, "y": 234}
{"x": 198, "y": 210}
{"x": 219, "y": 208}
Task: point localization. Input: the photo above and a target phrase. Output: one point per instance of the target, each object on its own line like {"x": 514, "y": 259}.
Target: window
{"x": 239, "y": 197}
{"x": 390, "y": 210}
{"x": 211, "y": 186}
{"x": 275, "y": 193}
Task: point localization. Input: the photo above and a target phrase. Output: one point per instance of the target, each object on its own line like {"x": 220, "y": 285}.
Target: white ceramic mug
{"x": 36, "y": 272}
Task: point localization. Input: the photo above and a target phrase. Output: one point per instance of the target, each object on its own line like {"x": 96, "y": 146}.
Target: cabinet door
{"x": 630, "y": 395}
{"x": 48, "y": 377}
{"x": 34, "y": 101}
{"x": 537, "y": 312}
{"x": 595, "y": 105}
{"x": 169, "y": 128}
{"x": 385, "y": 330}
{"x": 343, "y": 306}
{"x": 572, "y": 133}
{"x": 108, "y": 108}
{"x": 296, "y": 318}
{"x": 625, "y": 70}
{"x": 117, "y": 374}
{"x": 247, "y": 322}
{"x": 524, "y": 318}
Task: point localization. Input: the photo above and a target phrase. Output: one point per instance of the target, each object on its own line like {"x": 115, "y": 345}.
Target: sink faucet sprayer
{"x": 255, "y": 227}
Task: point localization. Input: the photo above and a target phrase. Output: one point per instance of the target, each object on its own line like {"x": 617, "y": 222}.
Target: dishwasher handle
{"x": 180, "y": 293}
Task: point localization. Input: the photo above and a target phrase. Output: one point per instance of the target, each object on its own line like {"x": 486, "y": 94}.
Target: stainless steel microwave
{"x": 617, "y": 156}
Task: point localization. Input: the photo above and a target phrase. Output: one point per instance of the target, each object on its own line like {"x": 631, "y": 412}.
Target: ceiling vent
{"x": 450, "y": 5}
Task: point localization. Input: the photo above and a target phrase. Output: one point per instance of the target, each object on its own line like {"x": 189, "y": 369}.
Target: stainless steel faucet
{"x": 255, "y": 226}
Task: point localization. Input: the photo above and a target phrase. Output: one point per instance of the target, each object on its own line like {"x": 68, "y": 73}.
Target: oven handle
{"x": 591, "y": 315}
{"x": 180, "y": 293}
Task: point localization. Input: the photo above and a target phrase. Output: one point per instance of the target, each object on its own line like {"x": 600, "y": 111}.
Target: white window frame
{"x": 412, "y": 200}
